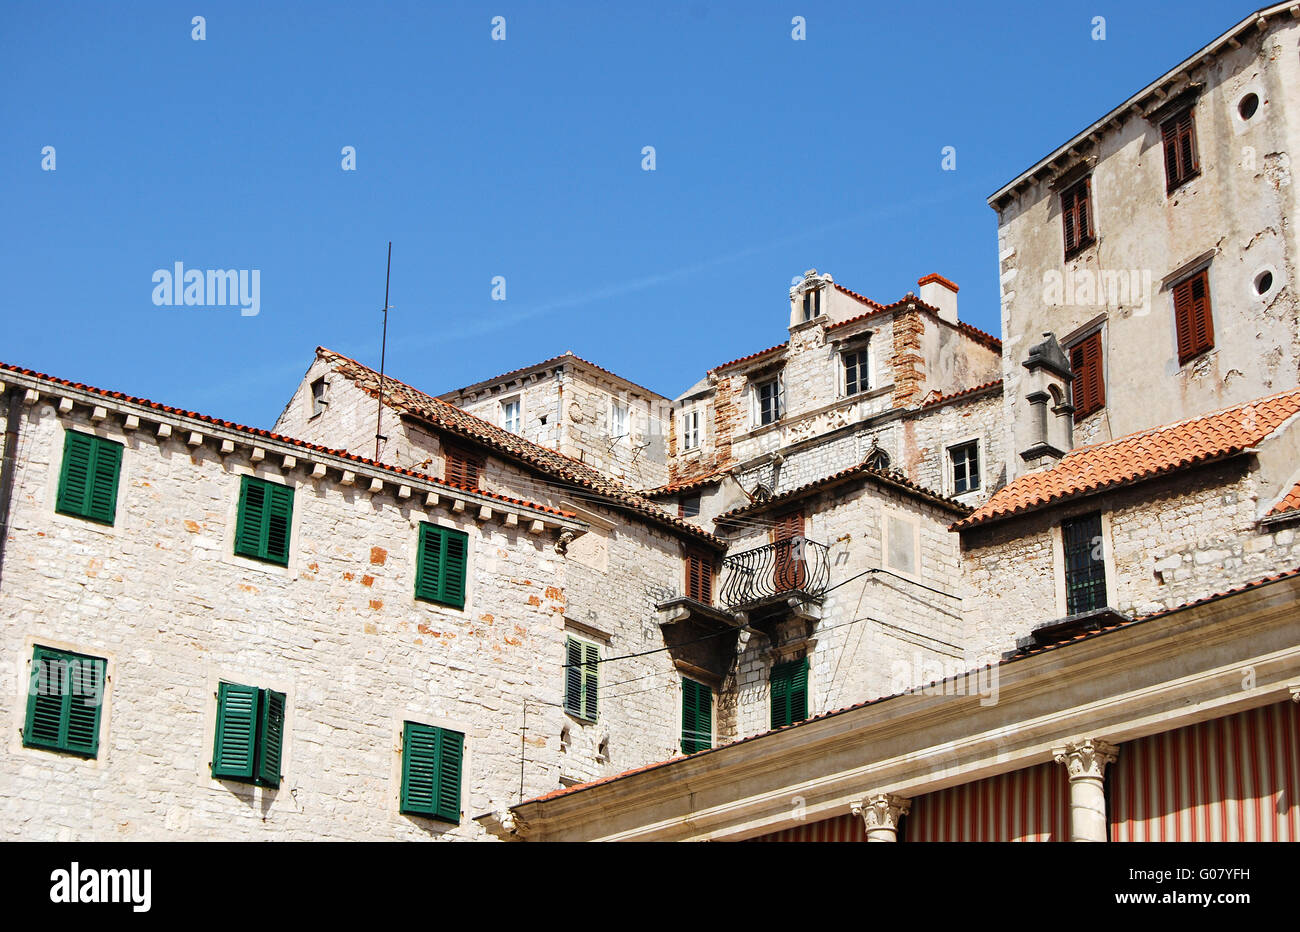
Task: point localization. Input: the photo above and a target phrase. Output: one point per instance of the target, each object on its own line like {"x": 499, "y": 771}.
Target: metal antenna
{"x": 383, "y": 351}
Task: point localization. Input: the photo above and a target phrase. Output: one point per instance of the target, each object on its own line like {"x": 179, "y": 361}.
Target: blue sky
{"x": 519, "y": 158}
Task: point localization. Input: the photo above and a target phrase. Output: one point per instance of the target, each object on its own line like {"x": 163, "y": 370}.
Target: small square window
{"x": 264, "y": 522}
{"x": 440, "y": 565}
{"x": 965, "y": 459}
{"x": 689, "y": 506}
{"x": 88, "y": 480}
{"x": 462, "y": 467}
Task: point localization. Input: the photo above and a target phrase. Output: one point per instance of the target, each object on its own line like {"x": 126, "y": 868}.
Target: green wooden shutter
{"x": 451, "y": 751}
{"x": 265, "y": 518}
{"x": 64, "y": 701}
{"x": 419, "y": 767}
{"x": 573, "y": 677}
{"x": 88, "y": 480}
{"x": 440, "y": 568}
{"x": 697, "y": 716}
{"x": 236, "y": 739}
{"x": 799, "y": 691}
{"x": 780, "y": 681}
{"x": 270, "y": 738}
{"x": 789, "y": 692}
{"x": 590, "y": 681}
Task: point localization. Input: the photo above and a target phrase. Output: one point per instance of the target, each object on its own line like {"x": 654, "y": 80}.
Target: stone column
{"x": 1086, "y": 761}
{"x": 880, "y": 813}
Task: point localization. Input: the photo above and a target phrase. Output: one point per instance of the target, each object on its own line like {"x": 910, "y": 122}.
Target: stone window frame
{"x": 214, "y": 675}
{"x": 105, "y": 431}
{"x": 692, "y": 412}
{"x": 233, "y": 478}
{"x": 397, "y": 726}
{"x": 950, "y": 466}
{"x": 1099, "y": 325}
{"x": 584, "y": 636}
{"x": 713, "y": 705}
{"x": 615, "y": 405}
{"x": 319, "y": 400}
{"x": 1058, "y": 554}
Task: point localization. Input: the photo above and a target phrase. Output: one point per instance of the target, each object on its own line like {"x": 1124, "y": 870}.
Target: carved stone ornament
{"x": 883, "y": 810}
{"x": 1086, "y": 758}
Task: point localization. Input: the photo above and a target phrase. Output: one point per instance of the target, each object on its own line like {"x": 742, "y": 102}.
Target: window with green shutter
{"x": 431, "y": 771}
{"x": 697, "y": 716}
{"x": 440, "y": 565}
{"x": 265, "y": 517}
{"x": 88, "y": 480}
{"x": 250, "y": 734}
{"x": 581, "y": 678}
{"x": 789, "y": 692}
{"x": 65, "y": 694}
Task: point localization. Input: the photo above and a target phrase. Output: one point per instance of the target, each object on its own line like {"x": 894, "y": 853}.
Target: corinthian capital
{"x": 881, "y": 810}
{"x": 1086, "y": 758}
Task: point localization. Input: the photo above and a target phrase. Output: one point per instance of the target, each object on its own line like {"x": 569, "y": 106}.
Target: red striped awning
{"x": 841, "y": 828}
{"x": 1229, "y": 779}
{"x": 1032, "y": 804}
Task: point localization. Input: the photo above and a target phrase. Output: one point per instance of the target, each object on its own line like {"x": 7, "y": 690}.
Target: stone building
{"x": 892, "y": 577}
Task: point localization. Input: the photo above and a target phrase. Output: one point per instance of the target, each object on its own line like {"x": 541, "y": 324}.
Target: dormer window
{"x": 812, "y": 304}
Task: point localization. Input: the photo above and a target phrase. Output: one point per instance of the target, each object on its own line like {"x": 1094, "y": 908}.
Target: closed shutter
{"x": 1032, "y": 804}
{"x": 1076, "y": 216}
{"x": 699, "y": 577}
{"x": 271, "y": 738}
{"x": 573, "y": 677}
{"x": 64, "y": 700}
{"x": 789, "y": 684}
{"x": 462, "y": 467}
{"x": 419, "y": 769}
{"x": 1193, "y": 320}
{"x": 1089, "y": 384}
{"x": 1235, "y": 778}
{"x": 440, "y": 565}
{"x": 789, "y": 573}
{"x": 432, "y": 761}
{"x": 697, "y": 716}
{"x": 88, "y": 481}
{"x": 264, "y": 521}
{"x": 1179, "y": 137}
{"x": 590, "y": 681}
{"x": 236, "y": 739}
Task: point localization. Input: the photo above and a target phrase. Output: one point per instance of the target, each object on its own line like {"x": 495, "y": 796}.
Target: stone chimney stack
{"x": 938, "y": 292}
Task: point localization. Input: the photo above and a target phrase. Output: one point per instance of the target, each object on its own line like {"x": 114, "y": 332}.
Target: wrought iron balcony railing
{"x": 796, "y": 566}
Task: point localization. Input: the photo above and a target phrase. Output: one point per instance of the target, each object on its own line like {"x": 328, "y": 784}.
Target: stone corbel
{"x": 567, "y": 536}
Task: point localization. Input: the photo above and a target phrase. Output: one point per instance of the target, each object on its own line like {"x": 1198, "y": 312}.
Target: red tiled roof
{"x": 685, "y": 485}
{"x": 1290, "y": 502}
{"x": 859, "y": 297}
{"x": 770, "y": 349}
{"x": 446, "y": 416}
{"x": 270, "y": 435}
{"x": 964, "y": 393}
{"x": 1244, "y": 587}
{"x": 886, "y": 477}
{"x": 1142, "y": 455}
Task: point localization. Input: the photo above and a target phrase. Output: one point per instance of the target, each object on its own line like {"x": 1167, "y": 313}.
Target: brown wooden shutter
{"x": 1179, "y": 135}
{"x": 699, "y": 576}
{"x": 1089, "y": 383}
{"x": 1192, "y": 317}
{"x": 463, "y": 467}
{"x": 1076, "y": 214}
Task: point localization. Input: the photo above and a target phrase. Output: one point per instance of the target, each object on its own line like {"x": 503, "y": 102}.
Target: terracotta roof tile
{"x": 448, "y": 417}
{"x": 270, "y": 435}
{"x": 770, "y": 349}
{"x": 1290, "y": 502}
{"x": 1142, "y": 455}
{"x": 685, "y": 485}
{"x": 859, "y": 297}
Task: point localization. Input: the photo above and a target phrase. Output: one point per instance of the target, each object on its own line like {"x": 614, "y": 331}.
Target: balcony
{"x": 786, "y": 573}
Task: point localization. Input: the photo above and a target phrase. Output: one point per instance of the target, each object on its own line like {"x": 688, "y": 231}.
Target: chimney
{"x": 938, "y": 292}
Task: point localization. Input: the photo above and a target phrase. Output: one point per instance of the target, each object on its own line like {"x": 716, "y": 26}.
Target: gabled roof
{"x": 1142, "y": 455}
{"x": 270, "y": 435}
{"x": 974, "y": 333}
{"x": 566, "y": 357}
{"x": 448, "y": 418}
{"x": 770, "y": 349}
{"x": 686, "y": 485}
{"x": 888, "y": 478}
{"x": 966, "y": 394}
